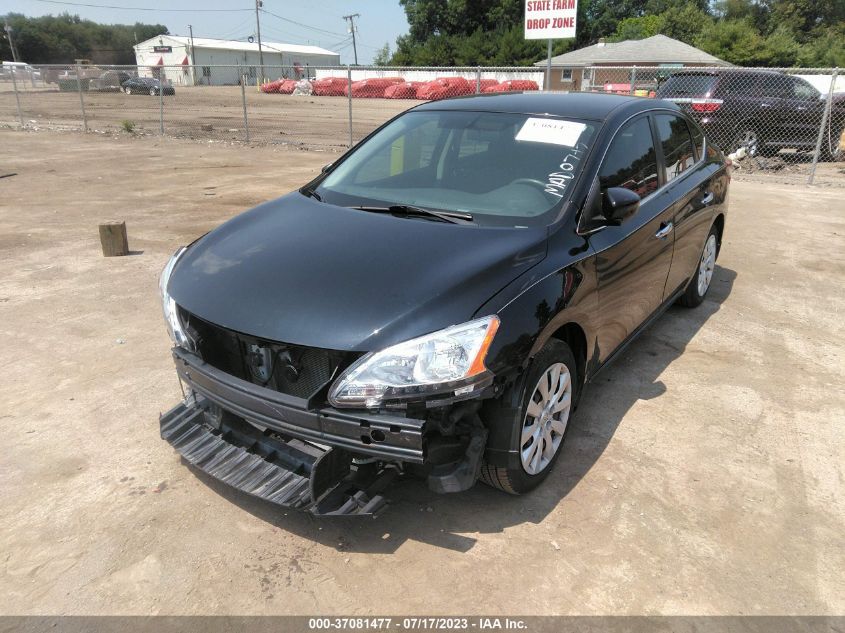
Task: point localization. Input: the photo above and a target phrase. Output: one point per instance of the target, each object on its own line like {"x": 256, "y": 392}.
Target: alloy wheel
{"x": 546, "y": 419}
{"x": 706, "y": 265}
{"x": 750, "y": 141}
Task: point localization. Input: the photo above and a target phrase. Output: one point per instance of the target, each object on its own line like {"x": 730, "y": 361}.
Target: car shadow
{"x": 444, "y": 521}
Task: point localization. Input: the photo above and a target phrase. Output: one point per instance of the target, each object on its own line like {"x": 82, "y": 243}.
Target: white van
{"x": 21, "y": 70}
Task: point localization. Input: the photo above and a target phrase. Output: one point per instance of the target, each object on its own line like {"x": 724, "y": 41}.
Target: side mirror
{"x": 619, "y": 204}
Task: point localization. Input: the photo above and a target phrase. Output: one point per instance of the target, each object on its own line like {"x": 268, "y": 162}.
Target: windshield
{"x": 504, "y": 169}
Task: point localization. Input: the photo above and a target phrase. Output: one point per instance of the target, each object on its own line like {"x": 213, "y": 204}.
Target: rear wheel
{"x": 703, "y": 275}
{"x": 749, "y": 138}
{"x": 127, "y": 90}
{"x": 547, "y": 402}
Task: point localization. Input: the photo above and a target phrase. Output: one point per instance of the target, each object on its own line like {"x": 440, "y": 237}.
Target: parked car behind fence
{"x": 763, "y": 111}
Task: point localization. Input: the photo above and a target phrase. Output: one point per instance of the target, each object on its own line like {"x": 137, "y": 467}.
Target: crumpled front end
{"x": 298, "y": 452}
{"x": 290, "y": 473}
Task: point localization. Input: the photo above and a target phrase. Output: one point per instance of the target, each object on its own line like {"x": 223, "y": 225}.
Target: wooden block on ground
{"x": 113, "y": 239}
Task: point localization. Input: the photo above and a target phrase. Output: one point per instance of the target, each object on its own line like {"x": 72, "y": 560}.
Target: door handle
{"x": 708, "y": 198}
{"x": 765, "y": 105}
{"x": 664, "y": 231}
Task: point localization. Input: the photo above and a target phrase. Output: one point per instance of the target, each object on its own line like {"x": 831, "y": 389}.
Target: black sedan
{"x": 146, "y": 86}
{"x": 437, "y": 300}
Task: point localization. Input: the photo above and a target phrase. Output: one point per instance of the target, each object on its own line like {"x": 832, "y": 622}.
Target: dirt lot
{"x": 215, "y": 114}
{"x": 278, "y": 119}
{"x": 703, "y": 475}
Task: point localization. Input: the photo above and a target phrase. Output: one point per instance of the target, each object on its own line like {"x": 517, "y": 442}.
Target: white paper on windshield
{"x": 552, "y": 131}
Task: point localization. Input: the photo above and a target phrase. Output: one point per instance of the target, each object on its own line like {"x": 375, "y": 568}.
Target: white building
{"x": 185, "y": 61}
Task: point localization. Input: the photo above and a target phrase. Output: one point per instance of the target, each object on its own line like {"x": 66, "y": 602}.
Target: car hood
{"x": 308, "y": 273}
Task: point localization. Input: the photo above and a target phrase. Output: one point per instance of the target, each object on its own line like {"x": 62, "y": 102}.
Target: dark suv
{"x": 764, "y": 111}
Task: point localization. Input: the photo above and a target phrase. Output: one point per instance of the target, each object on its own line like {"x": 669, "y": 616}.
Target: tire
{"x": 702, "y": 276}
{"x": 153, "y": 92}
{"x": 550, "y": 430}
{"x": 747, "y": 136}
{"x": 127, "y": 90}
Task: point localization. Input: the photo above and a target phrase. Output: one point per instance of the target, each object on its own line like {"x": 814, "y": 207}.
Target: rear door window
{"x": 631, "y": 161}
{"x": 738, "y": 85}
{"x": 778, "y": 86}
{"x": 674, "y": 136}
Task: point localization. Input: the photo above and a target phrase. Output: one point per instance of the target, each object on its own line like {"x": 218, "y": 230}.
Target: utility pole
{"x": 258, "y": 5}
{"x": 193, "y": 61}
{"x": 351, "y": 19}
{"x": 8, "y": 30}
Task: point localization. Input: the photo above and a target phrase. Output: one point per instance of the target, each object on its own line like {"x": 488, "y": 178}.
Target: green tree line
{"x": 744, "y": 32}
{"x": 64, "y": 38}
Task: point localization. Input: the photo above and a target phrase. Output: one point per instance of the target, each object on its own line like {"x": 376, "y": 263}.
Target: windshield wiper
{"x": 409, "y": 210}
{"x": 311, "y": 194}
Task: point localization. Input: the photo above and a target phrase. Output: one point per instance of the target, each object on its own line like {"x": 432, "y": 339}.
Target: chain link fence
{"x": 786, "y": 124}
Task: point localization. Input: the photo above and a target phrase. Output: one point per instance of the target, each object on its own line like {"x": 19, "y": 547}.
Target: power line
{"x": 237, "y": 30}
{"x": 110, "y": 6}
{"x": 305, "y": 26}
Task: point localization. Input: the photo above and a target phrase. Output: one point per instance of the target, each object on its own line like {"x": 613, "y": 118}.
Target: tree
{"x": 63, "y": 38}
{"x": 781, "y": 48}
{"x": 638, "y": 28}
{"x": 736, "y": 41}
{"x": 828, "y": 49}
{"x": 382, "y": 56}
{"x": 744, "y": 32}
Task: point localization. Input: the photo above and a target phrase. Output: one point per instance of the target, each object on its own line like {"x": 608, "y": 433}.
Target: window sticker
{"x": 555, "y": 131}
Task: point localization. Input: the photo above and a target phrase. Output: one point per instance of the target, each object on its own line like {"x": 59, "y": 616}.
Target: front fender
{"x": 533, "y": 309}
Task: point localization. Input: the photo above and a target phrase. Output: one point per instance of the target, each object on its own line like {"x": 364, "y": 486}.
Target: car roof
{"x": 576, "y": 105}
{"x": 728, "y": 71}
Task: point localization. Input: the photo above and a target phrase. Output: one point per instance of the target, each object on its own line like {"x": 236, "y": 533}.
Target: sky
{"x": 380, "y": 21}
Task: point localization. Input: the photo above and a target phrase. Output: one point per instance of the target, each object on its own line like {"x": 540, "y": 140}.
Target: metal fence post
{"x": 633, "y": 78}
{"x": 825, "y": 118}
{"x": 17, "y": 96}
{"x": 242, "y": 78}
{"x": 81, "y": 98}
{"x": 478, "y": 80}
{"x": 161, "y": 76}
{"x": 349, "y": 98}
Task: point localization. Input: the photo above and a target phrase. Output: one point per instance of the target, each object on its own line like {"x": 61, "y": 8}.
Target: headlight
{"x": 450, "y": 360}
{"x": 168, "y": 305}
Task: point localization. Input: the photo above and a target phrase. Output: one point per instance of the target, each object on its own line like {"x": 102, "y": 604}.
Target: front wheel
{"x": 547, "y": 401}
{"x": 152, "y": 92}
{"x": 127, "y": 90}
{"x": 703, "y": 275}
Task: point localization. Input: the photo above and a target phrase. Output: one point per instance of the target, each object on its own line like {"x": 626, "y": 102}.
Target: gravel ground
{"x": 703, "y": 473}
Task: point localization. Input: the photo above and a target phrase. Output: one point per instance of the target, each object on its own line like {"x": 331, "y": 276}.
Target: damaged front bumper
{"x": 282, "y": 449}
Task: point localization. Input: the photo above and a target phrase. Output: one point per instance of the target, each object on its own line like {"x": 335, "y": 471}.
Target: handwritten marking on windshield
{"x": 558, "y": 181}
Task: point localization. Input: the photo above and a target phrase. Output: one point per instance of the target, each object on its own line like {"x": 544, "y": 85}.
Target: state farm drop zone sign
{"x": 550, "y": 19}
